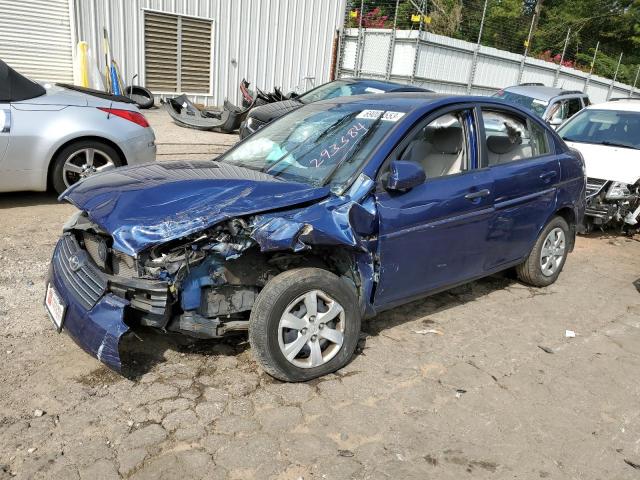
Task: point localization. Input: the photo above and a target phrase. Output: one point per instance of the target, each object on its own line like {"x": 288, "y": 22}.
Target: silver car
{"x": 53, "y": 136}
{"x": 553, "y": 105}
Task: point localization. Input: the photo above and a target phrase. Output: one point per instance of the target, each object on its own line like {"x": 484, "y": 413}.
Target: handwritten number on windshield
{"x": 328, "y": 153}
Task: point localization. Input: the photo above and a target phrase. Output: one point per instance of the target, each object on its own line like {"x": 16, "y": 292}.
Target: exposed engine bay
{"x": 612, "y": 205}
{"x": 203, "y": 285}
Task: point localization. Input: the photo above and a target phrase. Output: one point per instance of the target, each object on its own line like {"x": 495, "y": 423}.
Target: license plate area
{"x": 55, "y": 307}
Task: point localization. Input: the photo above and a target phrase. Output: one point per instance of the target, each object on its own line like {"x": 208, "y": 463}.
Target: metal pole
{"x": 417, "y": 45}
{"x": 526, "y": 48}
{"x": 564, "y": 50}
{"x": 633, "y": 89}
{"x": 593, "y": 62}
{"x": 392, "y": 43}
{"x": 356, "y": 67}
{"x": 615, "y": 76}
{"x": 472, "y": 72}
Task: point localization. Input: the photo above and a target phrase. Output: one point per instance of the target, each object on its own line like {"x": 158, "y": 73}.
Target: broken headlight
{"x": 618, "y": 191}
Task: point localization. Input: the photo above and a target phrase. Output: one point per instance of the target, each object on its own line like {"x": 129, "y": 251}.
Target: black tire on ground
{"x": 271, "y": 304}
{"x": 530, "y": 271}
{"x": 142, "y": 96}
{"x": 57, "y": 180}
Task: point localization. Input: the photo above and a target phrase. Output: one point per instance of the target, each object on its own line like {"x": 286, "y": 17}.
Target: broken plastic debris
{"x": 460, "y": 392}
{"x": 545, "y": 349}
{"x": 38, "y": 413}
{"x": 426, "y": 332}
{"x": 569, "y": 333}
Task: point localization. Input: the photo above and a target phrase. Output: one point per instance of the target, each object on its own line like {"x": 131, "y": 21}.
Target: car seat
{"x": 439, "y": 152}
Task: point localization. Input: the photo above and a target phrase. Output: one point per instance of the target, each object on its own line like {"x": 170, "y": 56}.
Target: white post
{"x": 593, "y": 62}
{"x": 472, "y": 72}
{"x": 526, "y": 49}
{"x": 615, "y": 77}
{"x": 564, "y": 51}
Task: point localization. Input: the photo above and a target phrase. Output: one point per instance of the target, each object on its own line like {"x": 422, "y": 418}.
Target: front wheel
{"x": 305, "y": 323}
{"x": 546, "y": 260}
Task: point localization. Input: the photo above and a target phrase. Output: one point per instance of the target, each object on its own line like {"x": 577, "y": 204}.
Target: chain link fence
{"x": 479, "y": 46}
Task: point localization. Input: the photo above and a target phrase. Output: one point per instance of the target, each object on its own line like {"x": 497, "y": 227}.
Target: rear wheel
{"x": 546, "y": 260}
{"x": 304, "y": 324}
{"x": 81, "y": 159}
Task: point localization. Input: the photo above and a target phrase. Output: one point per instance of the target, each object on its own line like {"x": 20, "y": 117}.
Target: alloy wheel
{"x": 553, "y": 250}
{"x": 85, "y": 162}
{"x": 311, "y": 329}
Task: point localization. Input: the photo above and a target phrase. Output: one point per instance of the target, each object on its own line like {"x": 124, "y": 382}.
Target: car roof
{"x": 410, "y": 101}
{"x": 620, "y": 104}
{"x": 540, "y": 91}
{"x": 406, "y": 101}
{"x": 385, "y": 85}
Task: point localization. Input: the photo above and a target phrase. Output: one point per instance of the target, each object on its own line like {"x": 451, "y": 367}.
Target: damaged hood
{"x": 155, "y": 203}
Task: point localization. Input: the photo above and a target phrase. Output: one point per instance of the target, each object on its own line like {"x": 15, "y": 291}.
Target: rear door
{"x": 525, "y": 170}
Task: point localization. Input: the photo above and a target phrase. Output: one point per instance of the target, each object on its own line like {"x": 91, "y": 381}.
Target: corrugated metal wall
{"x": 268, "y": 42}
{"x": 35, "y": 38}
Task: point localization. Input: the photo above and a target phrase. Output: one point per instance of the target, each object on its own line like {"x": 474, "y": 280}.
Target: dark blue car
{"x": 333, "y": 213}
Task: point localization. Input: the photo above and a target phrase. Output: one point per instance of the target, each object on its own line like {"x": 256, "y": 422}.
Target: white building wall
{"x": 269, "y": 42}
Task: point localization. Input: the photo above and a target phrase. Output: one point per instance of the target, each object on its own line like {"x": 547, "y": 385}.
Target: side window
{"x": 510, "y": 138}
{"x": 557, "y": 112}
{"x": 440, "y": 147}
{"x": 586, "y": 101}
{"x": 573, "y": 106}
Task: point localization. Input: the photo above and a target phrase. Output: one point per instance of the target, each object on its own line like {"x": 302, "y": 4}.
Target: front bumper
{"x": 94, "y": 317}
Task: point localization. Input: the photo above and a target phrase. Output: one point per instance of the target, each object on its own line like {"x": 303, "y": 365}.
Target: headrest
{"x": 500, "y": 144}
{"x": 447, "y": 140}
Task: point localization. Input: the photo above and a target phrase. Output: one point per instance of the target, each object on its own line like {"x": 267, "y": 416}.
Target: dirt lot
{"x": 500, "y": 393}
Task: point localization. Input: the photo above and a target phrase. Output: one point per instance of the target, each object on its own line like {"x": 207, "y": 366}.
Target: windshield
{"x": 317, "y": 144}
{"x": 604, "y": 127}
{"x": 535, "y": 105}
{"x": 339, "y": 88}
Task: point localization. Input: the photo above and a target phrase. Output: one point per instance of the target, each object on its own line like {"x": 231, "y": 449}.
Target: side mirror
{"x": 404, "y": 176}
{"x": 555, "y": 122}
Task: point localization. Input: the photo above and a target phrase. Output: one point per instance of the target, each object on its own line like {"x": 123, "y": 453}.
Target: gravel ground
{"x": 497, "y": 392}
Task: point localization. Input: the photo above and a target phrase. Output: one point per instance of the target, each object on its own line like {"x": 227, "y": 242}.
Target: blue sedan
{"x": 332, "y": 214}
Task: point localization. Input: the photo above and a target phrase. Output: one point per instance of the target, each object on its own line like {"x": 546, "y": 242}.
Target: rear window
{"x": 536, "y": 105}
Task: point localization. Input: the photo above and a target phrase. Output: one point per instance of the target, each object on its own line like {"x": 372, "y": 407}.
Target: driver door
{"x": 435, "y": 235}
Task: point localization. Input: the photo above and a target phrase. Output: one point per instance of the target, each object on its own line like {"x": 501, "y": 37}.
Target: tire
{"x": 268, "y": 340}
{"x": 531, "y": 271}
{"x": 142, "y": 96}
{"x": 102, "y": 151}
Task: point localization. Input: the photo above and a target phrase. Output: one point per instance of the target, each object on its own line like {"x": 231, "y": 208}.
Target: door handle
{"x": 547, "y": 176}
{"x": 485, "y": 192}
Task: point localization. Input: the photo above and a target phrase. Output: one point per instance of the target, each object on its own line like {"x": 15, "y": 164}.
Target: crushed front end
{"x": 612, "y": 204}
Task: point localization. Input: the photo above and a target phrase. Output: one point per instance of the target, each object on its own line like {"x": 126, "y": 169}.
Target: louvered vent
{"x": 195, "y": 55}
{"x": 177, "y": 53}
{"x": 161, "y": 51}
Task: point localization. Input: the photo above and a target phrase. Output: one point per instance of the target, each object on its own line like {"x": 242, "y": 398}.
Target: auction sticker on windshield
{"x": 55, "y": 307}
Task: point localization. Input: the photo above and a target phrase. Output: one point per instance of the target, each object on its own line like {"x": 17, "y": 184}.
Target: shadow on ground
{"x": 144, "y": 348}
{"x": 27, "y": 199}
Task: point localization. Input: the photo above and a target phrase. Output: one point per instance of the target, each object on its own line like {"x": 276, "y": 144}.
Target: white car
{"x": 608, "y": 137}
